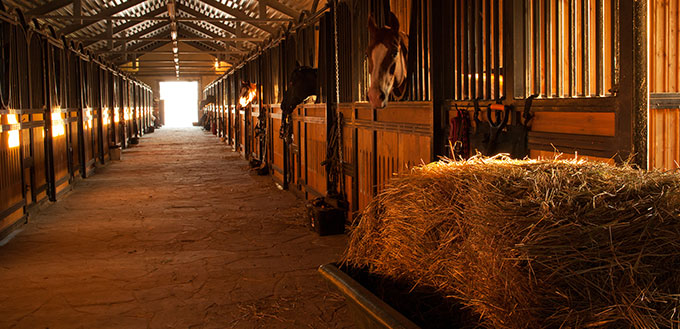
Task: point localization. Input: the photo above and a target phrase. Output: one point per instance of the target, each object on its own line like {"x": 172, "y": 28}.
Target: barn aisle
{"x": 177, "y": 235}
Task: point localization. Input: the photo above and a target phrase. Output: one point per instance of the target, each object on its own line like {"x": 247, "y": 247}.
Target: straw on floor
{"x": 532, "y": 243}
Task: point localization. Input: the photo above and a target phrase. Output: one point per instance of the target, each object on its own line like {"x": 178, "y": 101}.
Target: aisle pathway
{"x": 177, "y": 235}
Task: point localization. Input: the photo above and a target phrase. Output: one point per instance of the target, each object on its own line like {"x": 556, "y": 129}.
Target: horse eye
{"x": 395, "y": 53}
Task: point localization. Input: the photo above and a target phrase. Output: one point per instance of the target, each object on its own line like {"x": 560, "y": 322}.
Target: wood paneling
{"x": 388, "y": 141}
{"x": 593, "y": 123}
{"x": 664, "y": 62}
{"x": 664, "y": 139}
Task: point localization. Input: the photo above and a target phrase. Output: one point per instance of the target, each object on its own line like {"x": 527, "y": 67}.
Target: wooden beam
{"x": 280, "y": 7}
{"x": 49, "y": 7}
{"x": 238, "y": 14}
{"x": 121, "y": 28}
{"x": 224, "y": 27}
{"x": 211, "y": 34}
{"x": 262, "y": 7}
{"x": 109, "y": 34}
{"x": 101, "y": 15}
{"x": 139, "y": 36}
{"x": 206, "y": 52}
{"x": 78, "y": 10}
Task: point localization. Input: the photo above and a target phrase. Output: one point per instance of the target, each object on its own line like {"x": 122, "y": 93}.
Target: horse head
{"x": 387, "y": 54}
{"x": 247, "y": 94}
{"x": 303, "y": 83}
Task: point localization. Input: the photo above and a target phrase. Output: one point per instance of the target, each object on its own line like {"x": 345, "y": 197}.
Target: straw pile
{"x": 532, "y": 244}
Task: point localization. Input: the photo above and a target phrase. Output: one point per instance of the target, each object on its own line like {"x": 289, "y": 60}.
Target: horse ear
{"x": 297, "y": 64}
{"x": 372, "y": 26}
{"x": 394, "y": 22}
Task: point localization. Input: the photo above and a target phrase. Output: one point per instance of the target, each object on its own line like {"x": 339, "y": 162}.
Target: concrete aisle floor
{"x": 178, "y": 235}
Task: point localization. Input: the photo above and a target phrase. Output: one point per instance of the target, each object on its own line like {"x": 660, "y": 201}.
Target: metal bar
{"x": 497, "y": 49}
{"x": 466, "y": 49}
{"x": 471, "y": 49}
{"x": 559, "y": 31}
{"x": 599, "y": 54}
{"x": 585, "y": 47}
{"x": 572, "y": 48}
{"x": 477, "y": 84}
{"x": 528, "y": 88}
{"x": 536, "y": 12}
{"x": 487, "y": 52}
{"x": 548, "y": 47}
{"x": 458, "y": 32}
{"x": 616, "y": 50}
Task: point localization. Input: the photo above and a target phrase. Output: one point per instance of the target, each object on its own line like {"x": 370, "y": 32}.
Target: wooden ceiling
{"x": 122, "y": 31}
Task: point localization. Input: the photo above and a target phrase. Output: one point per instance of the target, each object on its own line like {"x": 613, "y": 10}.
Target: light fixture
{"x": 175, "y": 50}
{"x": 173, "y": 35}
{"x": 217, "y": 64}
{"x": 176, "y": 60}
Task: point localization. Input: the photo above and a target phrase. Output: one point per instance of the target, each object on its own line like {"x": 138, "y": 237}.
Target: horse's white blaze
{"x": 378, "y": 55}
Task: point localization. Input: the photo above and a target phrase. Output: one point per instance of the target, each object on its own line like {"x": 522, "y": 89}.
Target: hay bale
{"x": 532, "y": 244}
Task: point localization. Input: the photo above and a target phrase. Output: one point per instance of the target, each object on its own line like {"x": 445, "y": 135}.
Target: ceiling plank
{"x": 123, "y": 27}
{"x": 282, "y": 8}
{"x": 49, "y": 7}
{"x": 238, "y": 14}
{"x": 195, "y": 13}
{"x": 102, "y": 14}
{"x": 207, "y": 32}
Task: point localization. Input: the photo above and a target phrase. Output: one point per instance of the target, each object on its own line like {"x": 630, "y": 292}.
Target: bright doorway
{"x": 181, "y": 102}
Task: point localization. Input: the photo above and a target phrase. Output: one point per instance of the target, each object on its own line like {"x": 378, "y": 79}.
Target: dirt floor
{"x": 178, "y": 235}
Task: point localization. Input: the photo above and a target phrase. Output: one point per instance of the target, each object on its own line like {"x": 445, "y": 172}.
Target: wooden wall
{"x": 664, "y": 84}
{"x": 56, "y": 112}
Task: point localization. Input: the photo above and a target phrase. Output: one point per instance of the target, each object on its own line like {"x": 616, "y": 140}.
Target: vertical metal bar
{"x": 548, "y": 48}
{"x": 572, "y": 48}
{"x": 48, "y": 78}
{"x": 487, "y": 52}
{"x": 479, "y": 48}
{"x": 496, "y": 49}
{"x": 538, "y": 81}
{"x": 616, "y": 50}
{"x": 458, "y": 30}
{"x": 472, "y": 53}
{"x": 465, "y": 50}
{"x": 529, "y": 63}
{"x": 599, "y": 40}
{"x": 559, "y": 41}
{"x": 585, "y": 46}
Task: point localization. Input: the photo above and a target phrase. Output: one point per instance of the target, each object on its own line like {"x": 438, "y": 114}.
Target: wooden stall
{"x": 664, "y": 85}
{"x": 532, "y": 78}
{"x": 55, "y": 103}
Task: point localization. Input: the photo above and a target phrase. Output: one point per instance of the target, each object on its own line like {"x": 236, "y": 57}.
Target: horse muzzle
{"x": 377, "y": 98}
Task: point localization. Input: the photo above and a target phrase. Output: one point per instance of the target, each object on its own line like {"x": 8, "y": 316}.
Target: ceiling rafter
{"x": 123, "y": 27}
{"x": 49, "y": 7}
{"x": 209, "y": 33}
{"x": 238, "y": 14}
{"x": 102, "y": 14}
{"x": 280, "y": 7}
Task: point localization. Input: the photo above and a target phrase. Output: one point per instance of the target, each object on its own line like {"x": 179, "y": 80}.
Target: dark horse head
{"x": 387, "y": 54}
{"x": 247, "y": 94}
{"x": 302, "y": 84}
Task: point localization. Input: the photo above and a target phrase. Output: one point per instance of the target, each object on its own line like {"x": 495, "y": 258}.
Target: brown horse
{"x": 387, "y": 54}
{"x": 248, "y": 93}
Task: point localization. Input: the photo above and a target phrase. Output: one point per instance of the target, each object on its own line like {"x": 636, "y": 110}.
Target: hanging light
{"x": 217, "y": 64}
